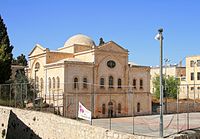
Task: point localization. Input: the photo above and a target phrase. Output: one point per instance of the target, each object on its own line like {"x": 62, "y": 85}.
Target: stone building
{"x": 100, "y": 77}
{"x": 192, "y": 77}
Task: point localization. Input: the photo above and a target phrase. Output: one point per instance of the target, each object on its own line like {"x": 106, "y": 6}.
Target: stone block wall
{"x": 26, "y": 124}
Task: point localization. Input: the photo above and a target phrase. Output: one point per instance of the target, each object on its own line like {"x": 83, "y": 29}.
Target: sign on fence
{"x": 84, "y": 113}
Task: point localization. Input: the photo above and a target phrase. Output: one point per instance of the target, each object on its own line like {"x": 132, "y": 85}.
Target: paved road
{"x": 149, "y": 125}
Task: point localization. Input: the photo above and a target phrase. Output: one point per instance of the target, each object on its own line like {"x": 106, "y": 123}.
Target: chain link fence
{"x": 120, "y": 108}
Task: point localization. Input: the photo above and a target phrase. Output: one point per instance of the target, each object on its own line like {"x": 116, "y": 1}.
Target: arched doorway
{"x": 110, "y": 109}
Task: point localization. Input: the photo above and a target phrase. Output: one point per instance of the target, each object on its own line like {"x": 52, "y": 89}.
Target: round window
{"x": 111, "y": 64}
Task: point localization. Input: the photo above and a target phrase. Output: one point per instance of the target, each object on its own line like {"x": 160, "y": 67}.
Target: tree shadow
{"x": 18, "y": 130}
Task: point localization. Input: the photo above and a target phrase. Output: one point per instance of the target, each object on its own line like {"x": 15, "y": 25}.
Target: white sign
{"x": 83, "y": 112}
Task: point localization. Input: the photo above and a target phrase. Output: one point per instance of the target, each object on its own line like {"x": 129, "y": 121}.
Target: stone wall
{"x": 183, "y": 107}
{"x": 24, "y": 124}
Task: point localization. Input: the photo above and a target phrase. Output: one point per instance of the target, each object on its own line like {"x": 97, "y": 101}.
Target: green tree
{"x": 21, "y": 60}
{"x": 101, "y": 41}
{"x": 23, "y": 89}
{"x": 5, "y": 53}
{"x": 170, "y": 86}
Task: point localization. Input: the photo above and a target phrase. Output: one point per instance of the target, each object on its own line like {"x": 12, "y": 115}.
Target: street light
{"x": 159, "y": 37}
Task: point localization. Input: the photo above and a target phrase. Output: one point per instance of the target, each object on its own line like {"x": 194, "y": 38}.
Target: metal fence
{"x": 121, "y": 108}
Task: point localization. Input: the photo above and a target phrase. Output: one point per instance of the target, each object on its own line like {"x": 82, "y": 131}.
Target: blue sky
{"x": 132, "y": 24}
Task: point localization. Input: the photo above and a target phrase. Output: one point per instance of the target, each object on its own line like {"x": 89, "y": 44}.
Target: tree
{"x": 170, "y": 89}
{"x": 5, "y": 53}
{"x": 101, "y": 42}
{"x": 21, "y": 60}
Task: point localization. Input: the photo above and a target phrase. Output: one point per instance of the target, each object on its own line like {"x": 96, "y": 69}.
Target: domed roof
{"x": 79, "y": 39}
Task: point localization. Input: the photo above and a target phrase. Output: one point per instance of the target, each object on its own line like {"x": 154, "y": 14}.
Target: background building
{"x": 97, "y": 76}
{"x": 193, "y": 76}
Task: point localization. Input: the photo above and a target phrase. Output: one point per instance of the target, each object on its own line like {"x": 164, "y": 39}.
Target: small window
{"x": 192, "y": 88}
{"x": 103, "y": 108}
{"x": 75, "y": 83}
{"x": 119, "y": 108}
{"x": 37, "y": 66}
{"x": 84, "y": 82}
{"x": 49, "y": 83}
{"x": 102, "y": 83}
{"x": 110, "y": 82}
{"x": 58, "y": 82}
{"x": 138, "y": 107}
{"x": 198, "y": 88}
{"x": 191, "y": 63}
{"x": 134, "y": 83}
{"x": 54, "y": 83}
{"x": 198, "y": 63}
{"x": 37, "y": 82}
{"x": 198, "y": 75}
{"x": 192, "y": 76}
{"x": 119, "y": 83}
{"x": 141, "y": 84}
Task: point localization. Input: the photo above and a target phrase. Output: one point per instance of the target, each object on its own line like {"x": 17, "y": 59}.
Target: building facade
{"x": 193, "y": 77}
{"x": 100, "y": 77}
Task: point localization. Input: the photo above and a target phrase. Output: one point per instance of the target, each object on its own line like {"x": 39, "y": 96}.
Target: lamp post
{"x": 159, "y": 37}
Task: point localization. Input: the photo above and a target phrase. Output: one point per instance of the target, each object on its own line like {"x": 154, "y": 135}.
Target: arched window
{"x": 54, "y": 83}
{"x": 49, "y": 80}
{"x": 58, "y": 82}
{"x": 37, "y": 66}
{"x": 102, "y": 83}
{"x": 110, "y": 82}
{"x": 37, "y": 82}
{"x": 110, "y": 109}
{"x": 134, "y": 83}
{"x": 119, "y": 83}
{"x": 41, "y": 84}
{"x": 84, "y": 82}
{"x": 141, "y": 84}
{"x": 138, "y": 107}
{"x": 103, "y": 108}
{"x": 75, "y": 83}
{"x": 119, "y": 108}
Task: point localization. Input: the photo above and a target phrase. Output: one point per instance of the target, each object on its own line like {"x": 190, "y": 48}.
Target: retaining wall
{"x": 25, "y": 124}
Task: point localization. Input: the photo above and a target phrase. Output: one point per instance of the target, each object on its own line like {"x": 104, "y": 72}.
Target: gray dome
{"x": 79, "y": 39}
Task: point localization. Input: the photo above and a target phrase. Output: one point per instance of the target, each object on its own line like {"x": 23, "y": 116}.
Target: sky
{"x": 132, "y": 24}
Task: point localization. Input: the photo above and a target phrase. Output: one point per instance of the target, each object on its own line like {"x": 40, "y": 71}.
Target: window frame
{"x": 110, "y": 81}
{"x": 119, "y": 108}
{"x": 102, "y": 82}
{"x": 134, "y": 83}
{"x": 119, "y": 83}
{"x": 192, "y": 76}
{"x": 85, "y": 83}
{"x": 141, "y": 83}
{"x": 103, "y": 108}
{"x": 75, "y": 86}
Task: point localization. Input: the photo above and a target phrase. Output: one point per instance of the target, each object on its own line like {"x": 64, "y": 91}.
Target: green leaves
{"x": 21, "y": 60}
{"x": 5, "y": 54}
{"x": 170, "y": 86}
